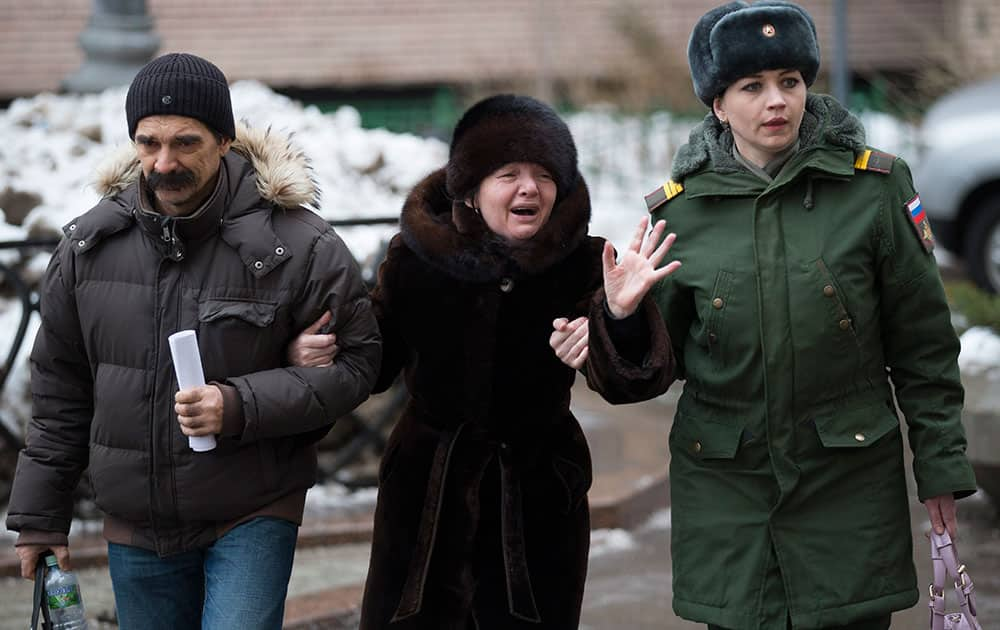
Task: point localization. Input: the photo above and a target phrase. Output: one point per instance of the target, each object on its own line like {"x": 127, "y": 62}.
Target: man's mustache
{"x": 174, "y": 180}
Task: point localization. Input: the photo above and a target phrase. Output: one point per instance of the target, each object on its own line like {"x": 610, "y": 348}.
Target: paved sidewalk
{"x": 629, "y": 579}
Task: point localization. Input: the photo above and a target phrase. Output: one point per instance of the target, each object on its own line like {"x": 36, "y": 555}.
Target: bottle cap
{"x": 50, "y": 561}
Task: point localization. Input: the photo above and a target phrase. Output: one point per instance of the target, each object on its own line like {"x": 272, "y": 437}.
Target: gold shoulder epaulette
{"x": 871, "y": 160}
{"x": 663, "y": 194}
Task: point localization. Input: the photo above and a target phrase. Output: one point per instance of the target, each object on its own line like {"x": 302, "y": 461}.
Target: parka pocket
{"x": 715, "y": 318}
{"x": 836, "y": 304}
{"x": 704, "y": 439}
{"x": 256, "y": 313}
{"x": 826, "y": 343}
{"x": 857, "y": 427}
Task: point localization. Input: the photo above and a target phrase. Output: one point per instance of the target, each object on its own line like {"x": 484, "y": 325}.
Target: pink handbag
{"x": 945, "y": 560}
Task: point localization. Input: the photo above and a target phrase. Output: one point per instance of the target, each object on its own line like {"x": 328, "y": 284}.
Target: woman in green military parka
{"x": 808, "y": 292}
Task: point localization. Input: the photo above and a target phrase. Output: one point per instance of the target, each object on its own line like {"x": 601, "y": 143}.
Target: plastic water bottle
{"x": 62, "y": 591}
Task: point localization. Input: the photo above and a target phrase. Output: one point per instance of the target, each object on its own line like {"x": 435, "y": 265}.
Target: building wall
{"x": 979, "y": 27}
{"x": 320, "y": 43}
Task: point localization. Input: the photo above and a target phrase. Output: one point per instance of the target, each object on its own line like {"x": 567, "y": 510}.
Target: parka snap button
{"x": 258, "y": 265}
{"x": 697, "y": 447}
{"x": 845, "y": 324}
{"x": 82, "y": 243}
{"x": 828, "y": 291}
{"x": 718, "y": 303}
{"x": 506, "y": 285}
{"x": 280, "y": 251}
{"x": 72, "y": 227}
{"x": 860, "y": 437}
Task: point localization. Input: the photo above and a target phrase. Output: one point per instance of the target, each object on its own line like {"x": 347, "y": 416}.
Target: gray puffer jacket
{"x": 248, "y": 272}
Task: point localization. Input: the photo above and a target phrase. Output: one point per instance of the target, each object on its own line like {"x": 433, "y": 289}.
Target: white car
{"x": 958, "y": 176}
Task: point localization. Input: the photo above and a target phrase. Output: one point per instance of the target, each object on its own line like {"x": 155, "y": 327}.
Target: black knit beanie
{"x": 182, "y": 85}
{"x": 739, "y": 39}
{"x": 507, "y": 128}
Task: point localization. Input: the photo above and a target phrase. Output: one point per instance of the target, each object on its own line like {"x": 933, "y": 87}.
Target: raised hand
{"x": 627, "y": 281}
{"x": 312, "y": 348}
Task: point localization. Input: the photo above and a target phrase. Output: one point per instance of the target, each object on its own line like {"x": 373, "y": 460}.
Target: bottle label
{"x": 64, "y": 597}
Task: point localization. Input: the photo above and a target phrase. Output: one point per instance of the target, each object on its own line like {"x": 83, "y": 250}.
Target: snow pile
{"x": 980, "y": 352}
{"x": 52, "y": 144}
{"x": 658, "y": 520}
{"x": 333, "y": 497}
{"x": 604, "y": 541}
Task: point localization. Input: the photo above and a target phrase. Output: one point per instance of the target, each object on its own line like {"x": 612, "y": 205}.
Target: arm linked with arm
{"x": 629, "y": 361}
{"x": 298, "y": 400}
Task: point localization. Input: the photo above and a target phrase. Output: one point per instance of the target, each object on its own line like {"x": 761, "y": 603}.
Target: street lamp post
{"x": 118, "y": 40}
{"x": 841, "y": 73}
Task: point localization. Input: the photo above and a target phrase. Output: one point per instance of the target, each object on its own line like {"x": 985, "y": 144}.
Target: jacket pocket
{"x": 715, "y": 319}
{"x": 703, "y": 439}
{"x": 839, "y": 315}
{"x": 826, "y": 343}
{"x": 574, "y": 481}
{"x": 855, "y": 427}
{"x": 258, "y": 314}
{"x": 385, "y": 464}
{"x": 232, "y": 337}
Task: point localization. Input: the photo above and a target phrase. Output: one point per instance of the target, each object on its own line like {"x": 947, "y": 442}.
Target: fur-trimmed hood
{"x": 453, "y": 238}
{"x": 710, "y": 145}
{"x": 284, "y": 175}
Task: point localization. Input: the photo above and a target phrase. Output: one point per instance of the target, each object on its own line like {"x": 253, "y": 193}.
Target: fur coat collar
{"x": 453, "y": 238}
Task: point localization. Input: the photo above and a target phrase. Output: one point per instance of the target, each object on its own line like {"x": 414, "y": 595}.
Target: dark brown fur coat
{"x": 482, "y": 518}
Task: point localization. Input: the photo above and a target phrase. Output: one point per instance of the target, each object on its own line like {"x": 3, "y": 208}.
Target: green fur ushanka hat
{"x": 738, "y": 39}
{"x": 509, "y": 128}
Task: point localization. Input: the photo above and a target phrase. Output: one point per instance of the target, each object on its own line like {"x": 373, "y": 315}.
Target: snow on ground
{"x": 657, "y": 520}
{"x": 604, "y": 541}
{"x": 333, "y": 497}
{"x": 52, "y": 144}
{"x": 980, "y": 352}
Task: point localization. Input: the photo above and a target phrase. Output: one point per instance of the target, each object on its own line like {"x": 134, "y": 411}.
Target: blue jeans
{"x": 237, "y": 583}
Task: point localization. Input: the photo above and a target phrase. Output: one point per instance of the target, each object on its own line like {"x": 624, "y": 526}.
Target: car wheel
{"x": 982, "y": 244}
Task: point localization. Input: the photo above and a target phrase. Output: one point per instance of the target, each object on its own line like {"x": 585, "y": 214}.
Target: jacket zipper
{"x": 153, "y": 479}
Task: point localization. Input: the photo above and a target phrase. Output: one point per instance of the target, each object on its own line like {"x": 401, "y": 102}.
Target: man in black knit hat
{"x": 203, "y": 226}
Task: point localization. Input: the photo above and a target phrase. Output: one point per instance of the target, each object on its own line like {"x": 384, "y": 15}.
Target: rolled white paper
{"x": 187, "y": 367}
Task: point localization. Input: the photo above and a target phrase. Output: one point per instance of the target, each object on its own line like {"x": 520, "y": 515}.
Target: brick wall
{"x": 312, "y": 43}
{"x": 979, "y": 26}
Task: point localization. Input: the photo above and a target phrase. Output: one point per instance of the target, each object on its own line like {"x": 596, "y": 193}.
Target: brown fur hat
{"x": 508, "y": 128}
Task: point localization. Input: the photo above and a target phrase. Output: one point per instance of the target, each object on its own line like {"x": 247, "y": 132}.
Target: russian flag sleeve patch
{"x": 918, "y": 218}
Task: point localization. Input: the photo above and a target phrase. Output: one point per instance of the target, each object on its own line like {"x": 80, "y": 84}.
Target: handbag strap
{"x": 944, "y": 559}
{"x": 40, "y": 603}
